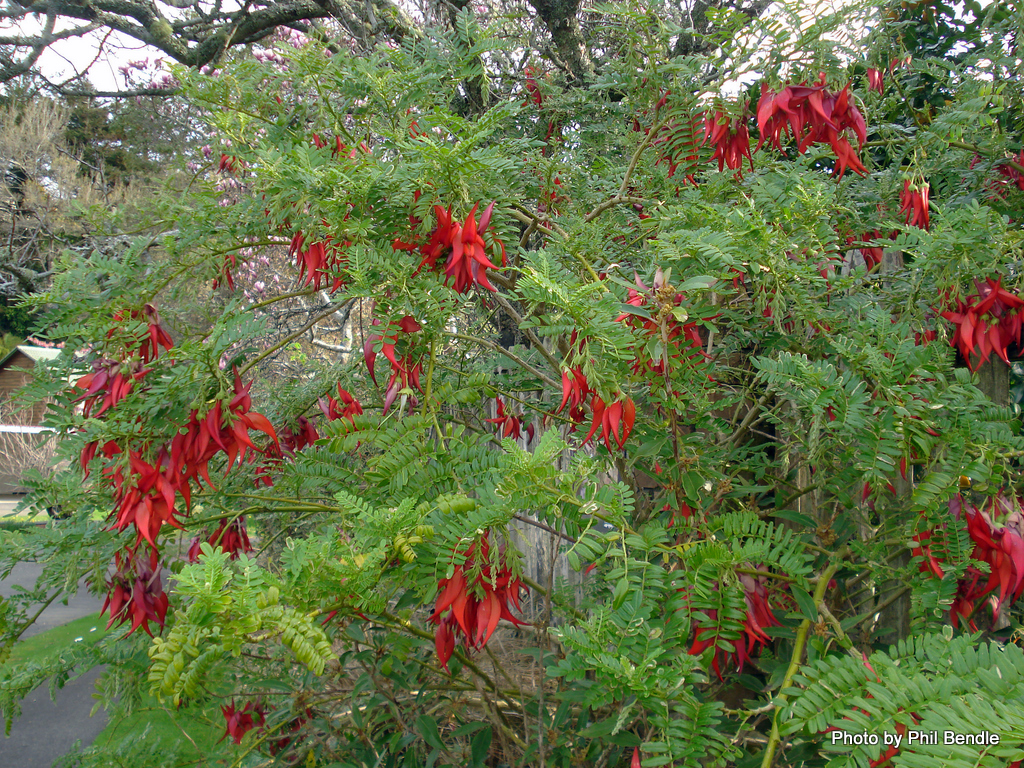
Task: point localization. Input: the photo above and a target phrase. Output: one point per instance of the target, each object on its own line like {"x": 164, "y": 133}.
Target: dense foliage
{"x": 720, "y": 353}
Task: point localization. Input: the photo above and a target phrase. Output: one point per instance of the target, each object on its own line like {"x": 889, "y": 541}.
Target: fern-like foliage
{"x": 929, "y": 684}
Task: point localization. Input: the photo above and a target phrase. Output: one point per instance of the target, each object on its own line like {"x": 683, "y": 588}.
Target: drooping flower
{"x": 914, "y": 203}
{"x": 135, "y": 592}
{"x": 986, "y": 322}
{"x": 615, "y": 421}
{"x": 876, "y": 80}
{"x": 759, "y": 616}
{"x": 239, "y": 722}
{"x": 318, "y": 259}
{"x": 813, "y": 114}
{"x": 347, "y": 408}
{"x": 731, "y": 140}
{"x": 462, "y": 246}
{"x": 468, "y": 263}
{"x": 405, "y": 369}
{"x": 475, "y": 606}
{"x": 229, "y": 537}
{"x": 575, "y": 390}
{"x": 509, "y": 425}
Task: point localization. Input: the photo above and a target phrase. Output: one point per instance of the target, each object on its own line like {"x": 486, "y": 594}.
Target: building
{"x": 20, "y": 433}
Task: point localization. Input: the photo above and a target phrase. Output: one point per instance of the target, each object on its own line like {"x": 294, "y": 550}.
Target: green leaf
{"x": 796, "y": 517}
{"x": 479, "y": 748}
{"x": 619, "y": 595}
{"x": 806, "y": 603}
{"x": 427, "y": 726}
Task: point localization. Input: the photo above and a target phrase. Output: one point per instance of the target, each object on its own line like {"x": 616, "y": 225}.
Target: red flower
{"x": 680, "y": 335}
{"x": 759, "y": 616}
{"x": 615, "y": 420}
{"x": 316, "y": 260}
{"x": 468, "y": 263}
{"x": 230, "y": 537}
{"x": 813, "y": 114}
{"x": 348, "y": 408}
{"x": 405, "y": 373}
{"x": 1012, "y": 173}
{"x": 989, "y": 321}
{"x": 135, "y": 592}
{"x": 731, "y": 139}
{"x": 575, "y": 390}
{"x": 508, "y": 424}
{"x": 532, "y": 90}
{"x": 474, "y": 607}
{"x": 872, "y": 254}
{"x": 240, "y": 722}
{"x": 463, "y": 245}
{"x": 1000, "y": 546}
{"x": 875, "y": 80}
{"x": 914, "y": 203}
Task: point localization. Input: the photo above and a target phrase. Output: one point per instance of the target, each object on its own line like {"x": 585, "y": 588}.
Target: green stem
{"x": 511, "y": 356}
{"x": 797, "y": 657}
{"x": 289, "y": 338}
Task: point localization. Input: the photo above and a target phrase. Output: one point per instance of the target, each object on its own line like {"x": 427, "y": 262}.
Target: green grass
{"x": 89, "y": 628}
{"x": 186, "y": 737}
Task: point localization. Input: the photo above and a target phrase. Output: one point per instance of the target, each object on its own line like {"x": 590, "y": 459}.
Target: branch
{"x": 511, "y": 356}
{"x": 797, "y": 656}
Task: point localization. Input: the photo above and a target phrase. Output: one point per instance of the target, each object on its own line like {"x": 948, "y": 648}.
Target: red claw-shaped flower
{"x": 914, "y": 203}
{"x": 462, "y": 245}
{"x": 509, "y": 425}
{"x": 876, "y": 80}
{"x": 813, "y": 114}
{"x": 135, "y": 592}
{"x": 731, "y": 140}
{"x": 615, "y": 421}
{"x": 474, "y": 607}
{"x": 239, "y": 722}
{"x": 986, "y": 322}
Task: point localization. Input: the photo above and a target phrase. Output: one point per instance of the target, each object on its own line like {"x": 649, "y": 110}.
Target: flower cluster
{"x": 135, "y": 592}
{"x": 997, "y": 530}
{"x": 405, "y": 372}
{"x": 759, "y": 616}
{"x": 239, "y": 722}
{"x": 615, "y": 420}
{"x": 317, "y": 260}
{"x": 229, "y": 537}
{"x": 986, "y": 322}
{"x": 462, "y": 246}
{"x": 475, "y": 598}
{"x": 509, "y": 424}
{"x": 683, "y": 337}
{"x": 914, "y": 203}
{"x": 813, "y": 114}
{"x": 731, "y": 140}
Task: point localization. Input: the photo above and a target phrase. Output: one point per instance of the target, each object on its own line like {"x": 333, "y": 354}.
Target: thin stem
{"x": 795, "y": 660}
{"x": 534, "y": 340}
{"x": 511, "y": 356}
{"x": 610, "y": 203}
{"x": 655, "y": 129}
{"x": 289, "y": 338}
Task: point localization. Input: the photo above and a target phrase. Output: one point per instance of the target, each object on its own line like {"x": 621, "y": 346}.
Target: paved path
{"x": 47, "y": 729}
{"x": 56, "y": 614}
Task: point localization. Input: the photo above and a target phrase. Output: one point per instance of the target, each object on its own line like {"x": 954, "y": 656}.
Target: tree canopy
{"x": 641, "y": 399}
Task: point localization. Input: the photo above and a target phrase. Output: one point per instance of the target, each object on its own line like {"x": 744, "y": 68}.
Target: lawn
{"x": 151, "y": 736}
{"x": 88, "y": 629}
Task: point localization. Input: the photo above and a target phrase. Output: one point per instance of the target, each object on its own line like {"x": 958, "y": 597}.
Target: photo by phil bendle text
{"x": 982, "y": 739}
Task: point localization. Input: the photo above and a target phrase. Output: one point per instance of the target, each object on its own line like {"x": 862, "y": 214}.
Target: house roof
{"x": 35, "y": 354}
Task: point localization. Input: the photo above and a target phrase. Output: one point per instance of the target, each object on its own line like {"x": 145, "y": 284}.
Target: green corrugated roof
{"x": 35, "y": 354}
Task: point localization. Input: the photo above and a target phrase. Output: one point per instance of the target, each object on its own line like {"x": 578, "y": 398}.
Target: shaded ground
{"x": 47, "y": 729}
